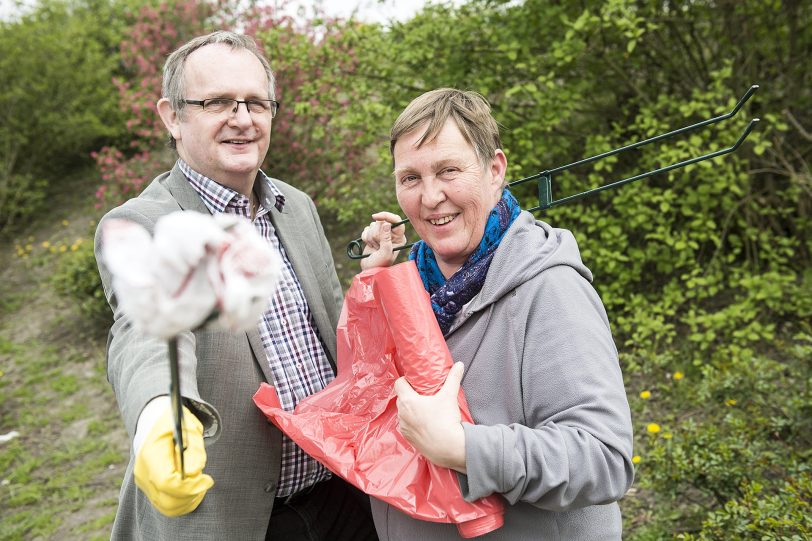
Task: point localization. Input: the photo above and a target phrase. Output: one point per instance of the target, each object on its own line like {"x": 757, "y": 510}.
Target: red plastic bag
{"x": 387, "y": 329}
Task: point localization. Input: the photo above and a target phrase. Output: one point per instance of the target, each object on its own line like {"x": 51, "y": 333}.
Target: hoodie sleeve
{"x": 574, "y": 447}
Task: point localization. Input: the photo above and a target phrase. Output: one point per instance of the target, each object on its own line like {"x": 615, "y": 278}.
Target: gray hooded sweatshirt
{"x": 552, "y": 432}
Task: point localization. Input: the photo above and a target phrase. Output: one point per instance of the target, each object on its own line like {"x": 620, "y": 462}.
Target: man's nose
{"x": 241, "y": 115}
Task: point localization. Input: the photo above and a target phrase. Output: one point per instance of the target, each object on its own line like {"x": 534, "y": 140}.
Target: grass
{"x": 64, "y": 456}
{"x": 59, "y": 479}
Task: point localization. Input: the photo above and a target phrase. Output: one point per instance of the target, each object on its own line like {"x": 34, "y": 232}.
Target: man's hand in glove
{"x": 157, "y": 460}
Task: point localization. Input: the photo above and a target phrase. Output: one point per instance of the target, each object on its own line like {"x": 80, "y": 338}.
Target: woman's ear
{"x": 170, "y": 117}
{"x": 499, "y": 167}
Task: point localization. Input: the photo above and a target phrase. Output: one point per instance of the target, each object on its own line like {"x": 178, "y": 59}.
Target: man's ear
{"x": 169, "y": 117}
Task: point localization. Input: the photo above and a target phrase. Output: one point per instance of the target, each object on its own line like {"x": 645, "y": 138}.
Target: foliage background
{"x": 705, "y": 271}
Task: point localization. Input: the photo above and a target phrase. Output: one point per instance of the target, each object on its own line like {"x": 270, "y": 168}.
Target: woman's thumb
{"x": 453, "y": 379}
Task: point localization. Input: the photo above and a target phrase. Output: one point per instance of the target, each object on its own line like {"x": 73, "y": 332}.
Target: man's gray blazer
{"x": 220, "y": 372}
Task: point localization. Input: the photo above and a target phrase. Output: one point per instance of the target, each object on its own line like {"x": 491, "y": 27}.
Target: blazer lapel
{"x": 288, "y": 226}
{"x": 259, "y": 353}
{"x": 182, "y": 191}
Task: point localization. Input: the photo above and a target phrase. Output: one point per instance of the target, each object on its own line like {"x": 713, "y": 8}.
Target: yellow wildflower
{"x": 63, "y": 248}
{"x": 730, "y": 402}
{"x": 636, "y": 459}
{"x": 65, "y": 222}
{"x": 668, "y": 435}
{"x": 74, "y": 247}
{"x": 45, "y": 244}
{"x": 678, "y": 375}
{"x": 645, "y": 395}
{"x": 653, "y": 428}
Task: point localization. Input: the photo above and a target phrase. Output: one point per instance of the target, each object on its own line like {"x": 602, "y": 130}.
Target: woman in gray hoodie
{"x": 552, "y": 430}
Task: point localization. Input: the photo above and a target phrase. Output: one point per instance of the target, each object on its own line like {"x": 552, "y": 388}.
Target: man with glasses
{"x": 218, "y": 105}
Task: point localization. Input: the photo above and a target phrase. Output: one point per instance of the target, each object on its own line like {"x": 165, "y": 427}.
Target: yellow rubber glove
{"x": 157, "y": 466}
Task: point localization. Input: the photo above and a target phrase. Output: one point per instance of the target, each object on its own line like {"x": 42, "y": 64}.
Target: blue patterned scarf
{"x": 448, "y": 297}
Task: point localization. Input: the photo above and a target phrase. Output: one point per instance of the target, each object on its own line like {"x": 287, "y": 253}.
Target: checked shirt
{"x": 293, "y": 348}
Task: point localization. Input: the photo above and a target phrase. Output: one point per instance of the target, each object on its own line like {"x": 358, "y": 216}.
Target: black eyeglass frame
{"x": 274, "y": 108}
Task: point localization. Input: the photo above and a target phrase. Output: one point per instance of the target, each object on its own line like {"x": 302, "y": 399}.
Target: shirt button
{"x": 269, "y": 487}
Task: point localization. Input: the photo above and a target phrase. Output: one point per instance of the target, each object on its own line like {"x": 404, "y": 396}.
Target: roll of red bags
{"x": 386, "y": 330}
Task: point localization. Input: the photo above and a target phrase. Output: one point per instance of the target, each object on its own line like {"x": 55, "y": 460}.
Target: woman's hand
{"x": 433, "y": 424}
{"x": 380, "y": 238}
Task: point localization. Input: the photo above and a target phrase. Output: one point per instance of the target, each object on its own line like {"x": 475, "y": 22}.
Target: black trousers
{"x": 332, "y": 511}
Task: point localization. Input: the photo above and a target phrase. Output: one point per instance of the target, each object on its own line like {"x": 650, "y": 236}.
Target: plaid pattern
{"x": 291, "y": 341}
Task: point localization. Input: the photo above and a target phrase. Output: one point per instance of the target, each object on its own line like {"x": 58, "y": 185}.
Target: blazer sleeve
{"x": 138, "y": 365}
{"x": 575, "y": 444}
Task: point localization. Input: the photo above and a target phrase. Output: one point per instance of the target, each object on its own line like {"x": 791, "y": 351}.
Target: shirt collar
{"x": 217, "y": 197}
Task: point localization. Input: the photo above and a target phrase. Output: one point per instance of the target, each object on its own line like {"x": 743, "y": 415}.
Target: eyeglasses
{"x": 219, "y": 106}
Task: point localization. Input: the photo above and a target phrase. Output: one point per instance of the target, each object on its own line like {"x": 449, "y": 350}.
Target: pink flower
{"x": 195, "y": 266}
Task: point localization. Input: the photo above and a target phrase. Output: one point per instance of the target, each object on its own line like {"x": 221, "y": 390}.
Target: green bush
{"x": 20, "y": 195}
{"x": 761, "y": 515}
{"x": 57, "y": 96}
{"x": 722, "y": 432}
{"x": 77, "y": 278}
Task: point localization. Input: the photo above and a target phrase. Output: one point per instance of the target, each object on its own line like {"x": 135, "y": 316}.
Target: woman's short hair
{"x": 173, "y": 79}
{"x": 470, "y": 111}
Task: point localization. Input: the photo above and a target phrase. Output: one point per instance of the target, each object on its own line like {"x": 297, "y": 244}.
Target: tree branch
{"x": 794, "y": 121}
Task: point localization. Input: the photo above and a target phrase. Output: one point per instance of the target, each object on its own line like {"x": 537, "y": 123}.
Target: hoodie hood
{"x": 529, "y": 248}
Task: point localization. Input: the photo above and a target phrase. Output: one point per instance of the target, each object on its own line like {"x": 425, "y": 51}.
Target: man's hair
{"x": 470, "y": 111}
{"x": 174, "y": 69}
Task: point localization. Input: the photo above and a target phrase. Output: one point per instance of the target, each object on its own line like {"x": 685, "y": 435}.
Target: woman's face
{"x": 446, "y": 193}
